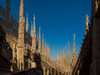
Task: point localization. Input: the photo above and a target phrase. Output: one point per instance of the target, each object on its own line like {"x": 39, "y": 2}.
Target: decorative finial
{"x": 39, "y": 39}
{"x": 45, "y": 43}
{"x": 68, "y": 49}
{"x": 21, "y": 12}
{"x": 58, "y": 58}
{"x": 65, "y": 52}
{"x": 68, "y": 44}
{"x": 34, "y": 17}
{"x": 43, "y": 39}
{"x": 58, "y": 55}
{"x": 96, "y": 5}
{"x": 27, "y": 23}
{"x": 34, "y": 23}
{"x": 74, "y": 37}
{"x": 74, "y": 51}
{"x": 87, "y": 22}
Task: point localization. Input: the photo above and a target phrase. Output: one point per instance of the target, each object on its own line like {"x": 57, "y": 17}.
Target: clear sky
{"x": 59, "y": 20}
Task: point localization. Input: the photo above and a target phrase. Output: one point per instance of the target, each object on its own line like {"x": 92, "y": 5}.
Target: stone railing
{"x": 51, "y": 62}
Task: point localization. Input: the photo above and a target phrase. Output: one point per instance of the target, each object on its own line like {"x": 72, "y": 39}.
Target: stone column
{"x": 47, "y": 71}
{"x": 65, "y": 73}
{"x": 61, "y": 73}
{"x": 78, "y": 72}
{"x": 44, "y": 72}
{"x": 51, "y": 71}
{"x": 55, "y": 72}
{"x": 28, "y": 63}
{"x": 58, "y": 73}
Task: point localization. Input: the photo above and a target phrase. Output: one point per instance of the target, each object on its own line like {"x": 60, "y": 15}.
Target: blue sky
{"x": 59, "y": 20}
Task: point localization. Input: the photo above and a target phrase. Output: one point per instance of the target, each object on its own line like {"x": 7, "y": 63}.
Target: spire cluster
{"x": 65, "y": 59}
{"x": 74, "y": 57}
{"x": 36, "y": 41}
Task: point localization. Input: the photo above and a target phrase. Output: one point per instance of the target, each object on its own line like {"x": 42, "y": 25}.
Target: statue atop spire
{"x": 43, "y": 40}
{"x": 58, "y": 58}
{"x": 45, "y": 48}
{"x": 68, "y": 59}
{"x": 74, "y": 51}
{"x": 61, "y": 58}
{"x": 68, "y": 50}
{"x": 74, "y": 37}
{"x": 87, "y": 23}
{"x": 34, "y": 27}
{"x": 65, "y": 52}
{"x": 39, "y": 39}
{"x": 34, "y": 24}
{"x": 21, "y": 12}
{"x": 65, "y": 55}
{"x": 49, "y": 50}
{"x": 96, "y": 6}
{"x": 74, "y": 57}
{"x": 33, "y": 34}
{"x": 27, "y": 23}
{"x": 43, "y": 44}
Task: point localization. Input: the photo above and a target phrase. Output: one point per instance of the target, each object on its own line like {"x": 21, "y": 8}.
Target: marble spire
{"x": 74, "y": 50}
{"x": 39, "y": 39}
{"x": 21, "y": 32}
{"x": 65, "y": 52}
{"x": 87, "y": 23}
{"x": 58, "y": 58}
{"x": 68, "y": 50}
{"x": 27, "y": 25}
{"x": 43, "y": 44}
{"x": 74, "y": 57}
{"x": 34, "y": 24}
